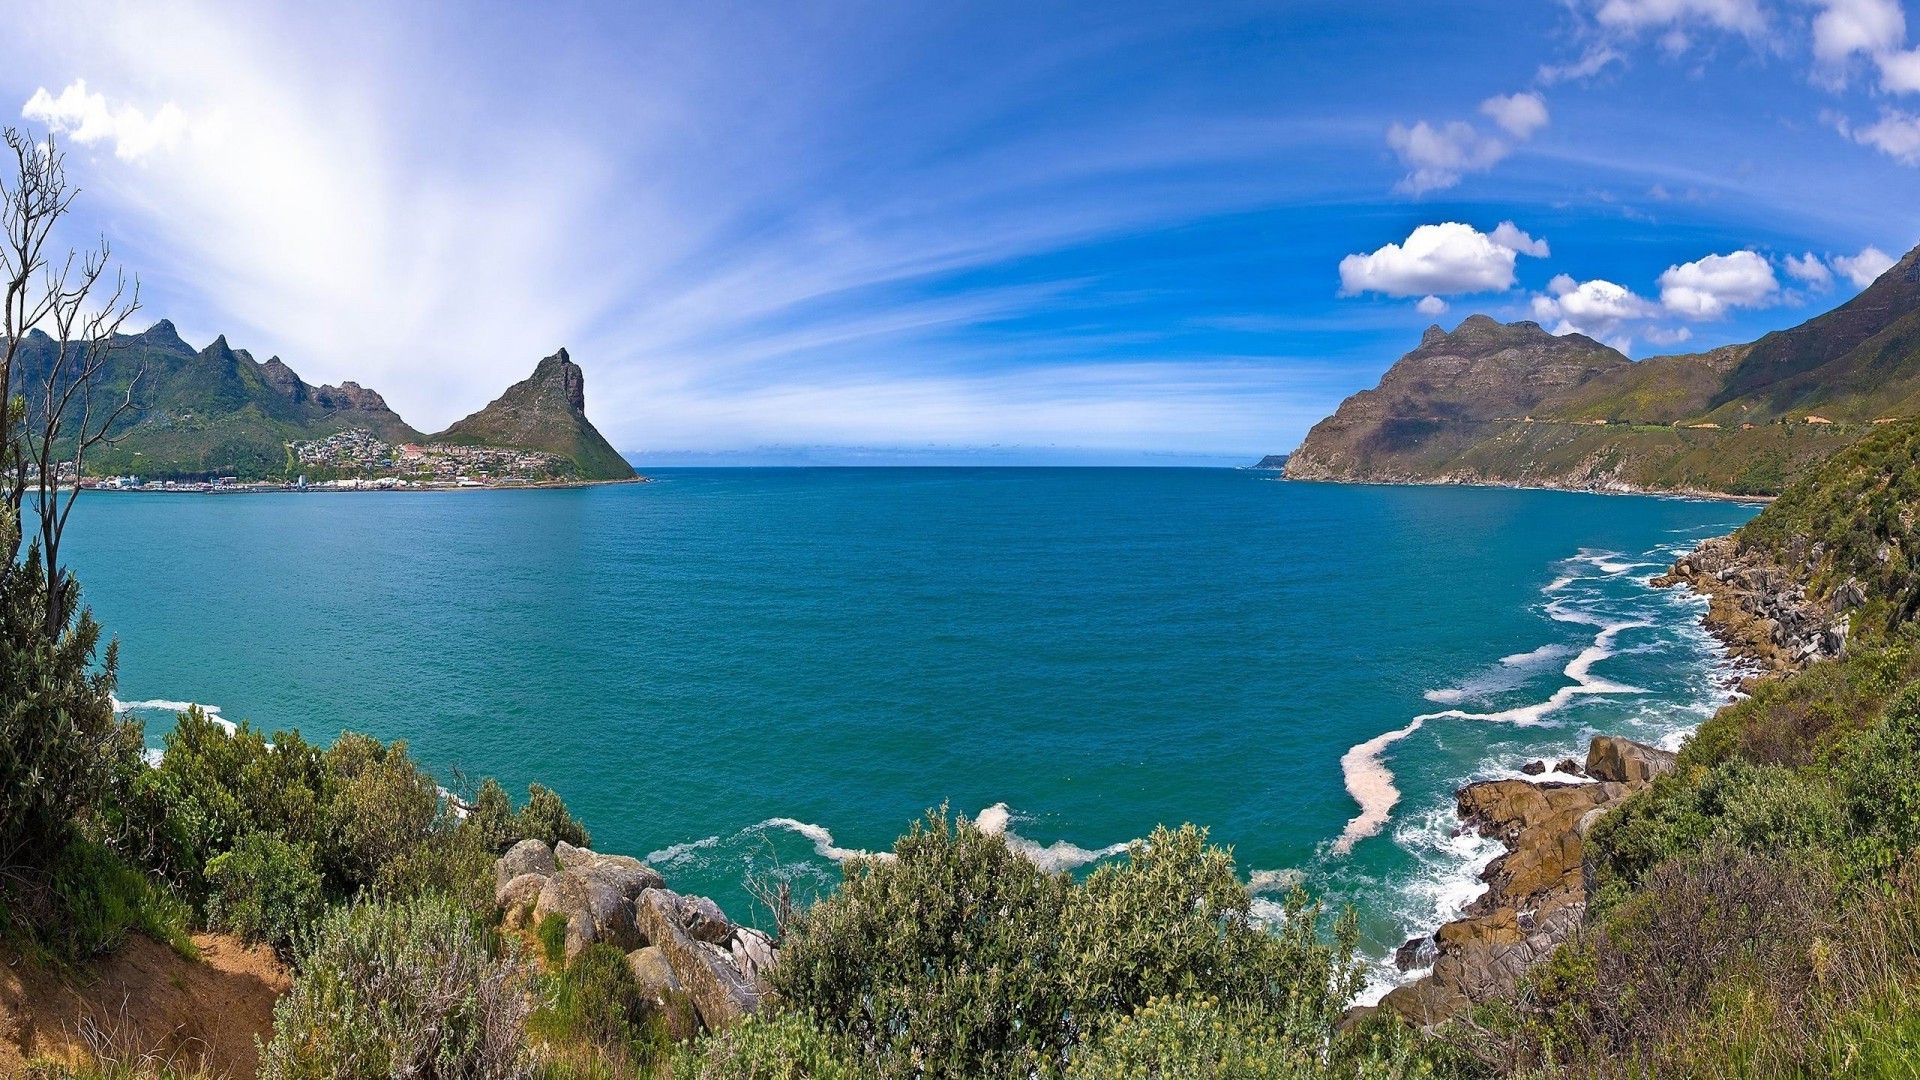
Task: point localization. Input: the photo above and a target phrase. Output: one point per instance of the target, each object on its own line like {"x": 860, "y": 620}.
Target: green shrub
{"x": 385, "y": 807}
{"x": 265, "y": 889}
{"x": 400, "y": 988}
{"x": 941, "y": 962}
{"x": 1755, "y": 808}
{"x": 58, "y": 732}
{"x": 491, "y": 819}
{"x": 961, "y": 958}
{"x": 552, "y": 935}
{"x": 1173, "y": 919}
{"x": 1195, "y": 1037}
{"x": 785, "y": 1046}
{"x": 545, "y": 817}
{"x": 596, "y": 1000}
{"x": 86, "y": 903}
{"x": 1882, "y": 782}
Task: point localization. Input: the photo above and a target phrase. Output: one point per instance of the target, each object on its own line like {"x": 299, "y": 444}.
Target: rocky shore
{"x": 681, "y": 948}
{"x": 1758, "y": 608}
{"x": 1536, "y": 892}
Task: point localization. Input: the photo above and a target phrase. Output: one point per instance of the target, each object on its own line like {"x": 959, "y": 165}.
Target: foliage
{"x": 546, "y": 818}
{"x": 1852, "y": 519}
{"x": 596, "y": 1000}
{"x": 491, "y": 818}
{"x": 58, "y": 732}
{"x": 400, "y": 988}
{"x": 959, "y": 957}
{"x": 784, "y": 1046}
{"x": 264, "y": 890}
{"x": 85, "y": 903}
{"x": 551, "y": 933}
{"x": 1175, "y": 1038}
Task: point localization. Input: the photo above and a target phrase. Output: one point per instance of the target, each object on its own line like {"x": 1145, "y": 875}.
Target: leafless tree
{"x": 49, "y": 421}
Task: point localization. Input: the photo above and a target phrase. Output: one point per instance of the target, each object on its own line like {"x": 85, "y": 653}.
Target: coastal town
{"x": 358, "y": 460}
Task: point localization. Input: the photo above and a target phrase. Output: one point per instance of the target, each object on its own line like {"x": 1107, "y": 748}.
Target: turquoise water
{"x": 730, "y": 671}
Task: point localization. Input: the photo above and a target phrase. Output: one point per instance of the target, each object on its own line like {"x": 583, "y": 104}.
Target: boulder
{"x": 721, "y": 994}
{"x": 571, "y": 857}
{"x": 1418, "y": 952}
{"x": 525, "y": 857}
{"x": 516, "y": 898}
{"x": 630, "y": 877}
{"x": 1624, "y": 761}
{"x": 1570, "y": 767}
{"x": 754, "y": 955}
{"x": 704, "y": 921}
{"x": 594, "y": 910}
{"x": 653, "y": 973}
{"x": 1534, "y": 768}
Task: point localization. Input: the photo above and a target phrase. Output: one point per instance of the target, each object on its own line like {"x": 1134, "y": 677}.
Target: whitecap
{"x": 677, "y": 853}
{"x": 823, "y": 844}
{"x": 1060, "y": 855}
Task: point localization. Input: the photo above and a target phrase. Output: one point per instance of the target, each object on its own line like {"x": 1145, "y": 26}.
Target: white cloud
{"x": 1708, "y": 288}
{"x": 1508, "y": 235}
{"x": 1864, "y": 268}
{"x": 1846, "y": 27}
{"x": 1900, "y": 72}
{"x": 1432, "y": 306}
{"x": 1519, "y": 115}
{"x": 1437, "y": 156}
{"x": 88, "y": 119}
{"x": 1599, "y": 309}
{"x": 1897, "y": 135}
{"x": 1743, "y": 16}
{"x": 1810, "y": 269}
{"x": 1448, "y": 258}
{"x": 1591, "y": 63}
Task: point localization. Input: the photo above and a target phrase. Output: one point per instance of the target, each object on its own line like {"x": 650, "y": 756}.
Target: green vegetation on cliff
{"x": 545, "y": 411}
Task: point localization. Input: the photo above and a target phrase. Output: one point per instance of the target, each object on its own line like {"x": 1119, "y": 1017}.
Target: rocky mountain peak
{"x": 162, "y": 335}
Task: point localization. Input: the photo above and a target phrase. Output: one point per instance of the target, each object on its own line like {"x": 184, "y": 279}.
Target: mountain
{"x": 1494, "y": 403}
{"x": 219, "y": 412}
{"x": 545, "y": 411}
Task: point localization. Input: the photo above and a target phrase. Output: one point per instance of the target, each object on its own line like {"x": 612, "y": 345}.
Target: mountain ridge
{"x": 217, "y": 411}
{"x": 1510, "y": 404}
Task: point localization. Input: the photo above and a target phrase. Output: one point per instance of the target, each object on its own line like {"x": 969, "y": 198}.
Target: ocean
{"x": 745, "y": 673}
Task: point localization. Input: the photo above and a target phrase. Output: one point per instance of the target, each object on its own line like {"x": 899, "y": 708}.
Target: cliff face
{"x": 545, "y": 411}
{"x": 1493, "y": 404}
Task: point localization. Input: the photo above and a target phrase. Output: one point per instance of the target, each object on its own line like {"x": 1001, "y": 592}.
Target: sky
{"x": 980, "y": 231}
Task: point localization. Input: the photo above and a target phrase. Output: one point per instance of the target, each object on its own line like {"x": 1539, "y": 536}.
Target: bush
{"x": 491, "y": 819}
{"x": 552, "y": 935}
{"x": 385, "y": 807}
{"x": 596, "y": 1000}
{"x": 545, "y": 817}
{"x": 785, "y": 1046}
{"x": 265, "y": 890}
{"x": 400, "y": 988}
{"x": 1195, "y": 1037}
{"x": 961, "y": 958}
{"x": 58, "y": 732}
{"x": 941, "y": 962}
{"x": 86, "y": 903}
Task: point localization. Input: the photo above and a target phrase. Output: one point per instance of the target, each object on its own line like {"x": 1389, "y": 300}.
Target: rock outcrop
{"x": 1536, "y": 893}
{"x": 681, "y": 948}
{"x": 1758, "y": 608}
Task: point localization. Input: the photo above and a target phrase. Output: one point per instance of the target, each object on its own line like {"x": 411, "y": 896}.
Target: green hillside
{"x": 545, "y": 411}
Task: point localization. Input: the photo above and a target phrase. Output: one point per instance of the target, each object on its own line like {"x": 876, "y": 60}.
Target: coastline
{"x": 1535, "y": 895}
{"x": 287, "y": 489}
{"x": 1515, "y": 485}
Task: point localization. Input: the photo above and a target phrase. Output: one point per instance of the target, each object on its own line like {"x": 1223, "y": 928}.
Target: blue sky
{"x": 1109, "y": 232}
